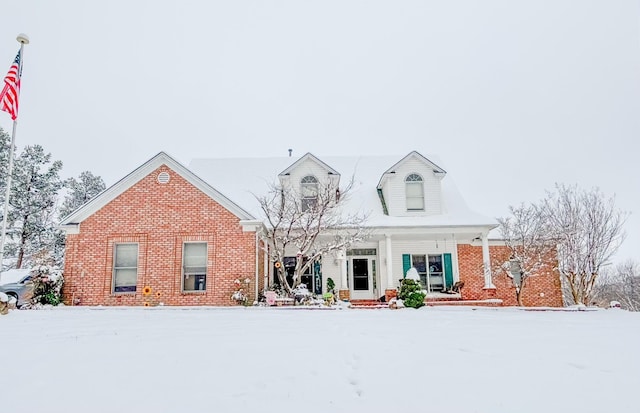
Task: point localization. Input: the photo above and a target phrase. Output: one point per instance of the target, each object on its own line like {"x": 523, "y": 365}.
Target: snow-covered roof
{"x": 134, "y": 177}
{"x": 415, "y": 154}
{"x": 242, "y": 179}
{"x": 303, "y": 158}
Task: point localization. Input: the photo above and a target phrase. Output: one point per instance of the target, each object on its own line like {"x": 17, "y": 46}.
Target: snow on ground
{"x": 436, "y": 359}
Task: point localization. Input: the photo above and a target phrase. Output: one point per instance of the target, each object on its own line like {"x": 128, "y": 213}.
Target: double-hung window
{"x": 309, "y": 191}
{"x": 194, "y": 266}
{"x": 419, "y": 262}
{"x": 125, "y": 268}
{"x": 414, "y": 190}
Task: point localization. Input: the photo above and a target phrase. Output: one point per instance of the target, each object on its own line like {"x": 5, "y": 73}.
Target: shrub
{"x": 415, "y": 300}
{"x": 330, "y": 285}
{"x": 47, "y": 284}
{"x": 411, "y": 293}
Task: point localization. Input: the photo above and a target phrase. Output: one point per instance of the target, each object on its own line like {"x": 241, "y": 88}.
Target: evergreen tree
{"x": 411, "y": 293}
{"x": 81, "y": 190}
{"x": 5, "y": 143}
{"x": 34, "y": 192}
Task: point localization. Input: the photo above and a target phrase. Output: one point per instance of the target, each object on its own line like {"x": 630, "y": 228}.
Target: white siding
{"x": 308, "y": 167}
{"x": 394, "y": 189}
{"x": 400, "y": 247}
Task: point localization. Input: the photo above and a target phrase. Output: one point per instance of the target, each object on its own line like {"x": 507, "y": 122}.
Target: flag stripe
{"x": 11, "y": 89}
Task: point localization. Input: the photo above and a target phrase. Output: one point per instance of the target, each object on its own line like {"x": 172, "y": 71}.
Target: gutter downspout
{"x": 257, "y": 260}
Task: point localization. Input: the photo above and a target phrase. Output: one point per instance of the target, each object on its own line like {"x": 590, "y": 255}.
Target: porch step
{"x": 430, "y": 301}
{"x": 460, "y": 302}
{"x": 368, "y": 304}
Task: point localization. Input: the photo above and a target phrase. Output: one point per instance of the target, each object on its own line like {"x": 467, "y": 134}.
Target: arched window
{"x": 309, "y": 192}
{"x": 414, "y": 189}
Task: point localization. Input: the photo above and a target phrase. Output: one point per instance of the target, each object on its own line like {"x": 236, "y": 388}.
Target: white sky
{"x": 513, "y": 96}
{"x": 196, "y": 360}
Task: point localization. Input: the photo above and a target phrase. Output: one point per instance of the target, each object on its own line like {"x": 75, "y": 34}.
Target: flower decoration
{"x": 158, "y": 294}
{"x": 146, "y": 290}
{"x": 146, "y": 304}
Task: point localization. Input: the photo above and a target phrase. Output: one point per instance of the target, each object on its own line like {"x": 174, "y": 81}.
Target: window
{"x": 436, "y": 275}
{"x": 309, "y": 191}
{"x": 125, "y": 268}
{"x": 414, "y": 188}
{"x": 194, "y": 266}
{"x": 430, "y": 269}
{"x": 419, "y": 262}
{"x": 290, "y": 270}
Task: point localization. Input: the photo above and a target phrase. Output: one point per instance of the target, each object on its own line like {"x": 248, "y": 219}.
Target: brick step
{"x": 473, "y": 303}
{"x": 431, "y": 301}
{"x": 368, "y": 304}
{"x": 446, "y": 299}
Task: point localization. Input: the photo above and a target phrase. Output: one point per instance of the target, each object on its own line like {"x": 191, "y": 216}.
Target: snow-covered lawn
{"x": 289, "y": 360}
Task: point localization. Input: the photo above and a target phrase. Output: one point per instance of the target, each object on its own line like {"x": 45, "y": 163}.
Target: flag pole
{"x": 22, "y": 39}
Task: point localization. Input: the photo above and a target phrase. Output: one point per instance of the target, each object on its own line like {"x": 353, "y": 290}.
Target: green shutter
{"x": 406, "y": 264}
{"x": 448, "y": 271}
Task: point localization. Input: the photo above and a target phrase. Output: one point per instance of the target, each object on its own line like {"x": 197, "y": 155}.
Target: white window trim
{"x": 184, "y": 273}
{"x": 115, "y": 269}
{"x": 414, "y": 183}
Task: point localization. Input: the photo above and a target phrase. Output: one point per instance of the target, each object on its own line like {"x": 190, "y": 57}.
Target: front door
{"x": 361, "y": 282}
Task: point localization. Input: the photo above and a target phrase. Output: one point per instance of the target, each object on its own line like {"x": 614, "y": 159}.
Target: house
{"x": 193, "y": 236}
{"x": 160, "y": 235}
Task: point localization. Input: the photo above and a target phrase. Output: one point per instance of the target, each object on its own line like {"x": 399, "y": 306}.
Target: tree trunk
{"x": 519, "y": 297}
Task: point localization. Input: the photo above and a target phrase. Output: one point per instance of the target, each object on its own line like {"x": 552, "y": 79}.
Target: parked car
{"x": 17, "y": 284}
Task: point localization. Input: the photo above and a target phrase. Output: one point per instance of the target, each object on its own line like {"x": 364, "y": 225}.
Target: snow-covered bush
{"x": 241, "y": 293}
{"x": 4, "y": 303}
{"x": 411, "y": 293}
{"x": 47, "y": 285}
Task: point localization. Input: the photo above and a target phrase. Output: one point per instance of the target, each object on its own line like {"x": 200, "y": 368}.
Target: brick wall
{"x": 541, "y": 289}
{"x": 160, "y": 218}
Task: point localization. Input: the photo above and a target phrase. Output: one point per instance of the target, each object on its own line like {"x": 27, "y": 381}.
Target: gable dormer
{"x": 307, "y": 176}
{"x": 412, "y": 187}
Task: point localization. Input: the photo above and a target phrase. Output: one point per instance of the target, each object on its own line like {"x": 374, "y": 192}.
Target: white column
{"x": 390, "y": 281}
{"x": 486, "y": 262}
{"x": 266, "y": 267}
{"x": 343, "y": 269}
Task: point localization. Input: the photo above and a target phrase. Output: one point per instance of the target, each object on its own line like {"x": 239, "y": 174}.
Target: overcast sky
{"x": 513, "y": 96}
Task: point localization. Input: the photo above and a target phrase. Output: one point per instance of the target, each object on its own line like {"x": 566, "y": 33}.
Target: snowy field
{"x": 290, "y": 360}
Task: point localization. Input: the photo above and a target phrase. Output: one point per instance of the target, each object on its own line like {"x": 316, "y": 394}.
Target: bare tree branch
{"x": 309, "y": 226}
{"x": 589, "y": 230}
{"x": 526, "y": 235}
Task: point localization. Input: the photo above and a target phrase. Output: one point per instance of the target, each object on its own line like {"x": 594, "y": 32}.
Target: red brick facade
{"x": 159, "y": 218}
{"x": 540, "y": 289}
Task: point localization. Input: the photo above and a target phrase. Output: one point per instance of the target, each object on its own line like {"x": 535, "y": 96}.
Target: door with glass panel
{"x": 361, "y": 278}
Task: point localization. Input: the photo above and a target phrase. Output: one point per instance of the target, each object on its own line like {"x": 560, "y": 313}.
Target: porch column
{"x": 344, "y": 290}
{"x": 486, "y": 262}
{"x": 266, "y": 268}
{"x": 390, "y": 283}
{"x": 390, "y": 292}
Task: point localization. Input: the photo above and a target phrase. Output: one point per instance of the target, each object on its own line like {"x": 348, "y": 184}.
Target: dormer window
{"x": 309, "y": 192}
{"x": 414, "y": 188}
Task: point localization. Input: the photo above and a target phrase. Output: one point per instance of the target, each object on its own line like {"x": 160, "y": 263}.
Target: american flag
{"x": 11, "y": 89}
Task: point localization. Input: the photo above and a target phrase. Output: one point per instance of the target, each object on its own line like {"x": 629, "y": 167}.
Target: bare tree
{"x": 310, "y": 222}
{"x": 622, "y": 284}
{"x": 589, "y": 230}
{"x": 531, "y": 248}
